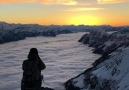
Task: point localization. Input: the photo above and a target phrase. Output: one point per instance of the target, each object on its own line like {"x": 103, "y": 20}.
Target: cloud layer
{"x": 64, "y": 2}
{"x": 16, "y": 1}
{"x": 110, "y": 1}
{"x": 47, "y": 2}
{"x": 85, "y": 9}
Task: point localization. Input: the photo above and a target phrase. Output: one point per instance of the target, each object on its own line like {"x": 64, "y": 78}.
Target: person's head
{"x": 33, "y": 54}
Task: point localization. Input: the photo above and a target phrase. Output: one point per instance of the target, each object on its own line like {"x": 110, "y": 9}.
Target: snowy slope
{"x": 115, "y": 70}
{"x": 112, "y": 74}
{"x": 109, "y": 72}
{"x": 105, "y": 43}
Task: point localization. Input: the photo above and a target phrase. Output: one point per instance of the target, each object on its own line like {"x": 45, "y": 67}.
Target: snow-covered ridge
{"x": 14, "y": 32}
{"x": 109, "y": 72}
{"x": 105, "y": 43}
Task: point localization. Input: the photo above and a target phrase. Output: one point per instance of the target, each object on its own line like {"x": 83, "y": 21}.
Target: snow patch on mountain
{"x": 109, "y": 72}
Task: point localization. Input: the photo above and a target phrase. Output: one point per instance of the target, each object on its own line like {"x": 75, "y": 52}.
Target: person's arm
{"x": 41, "y": 64}
{"x": 23, "y": 65}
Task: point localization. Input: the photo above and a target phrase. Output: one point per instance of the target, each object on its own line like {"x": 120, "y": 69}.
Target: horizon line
{"x": 62, "y": 24}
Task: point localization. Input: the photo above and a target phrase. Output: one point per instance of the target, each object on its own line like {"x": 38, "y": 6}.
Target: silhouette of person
{"x": 32, "y": 78}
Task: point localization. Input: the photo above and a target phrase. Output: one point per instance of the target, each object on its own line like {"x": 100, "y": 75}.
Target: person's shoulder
{"x": 25, "y": 61}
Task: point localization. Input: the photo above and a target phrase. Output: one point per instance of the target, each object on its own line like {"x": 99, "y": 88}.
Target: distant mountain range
{"x": 14, "y": 32}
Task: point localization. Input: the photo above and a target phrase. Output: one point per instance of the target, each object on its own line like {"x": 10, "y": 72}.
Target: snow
{"x": 109, "y": 72}
{"x": 116, "y": 68}
{"x": 81, "y": 83}
{"x": 63, "y": 56}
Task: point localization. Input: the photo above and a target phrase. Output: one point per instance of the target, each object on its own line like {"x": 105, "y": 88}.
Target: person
{"x": 32, "y": 78}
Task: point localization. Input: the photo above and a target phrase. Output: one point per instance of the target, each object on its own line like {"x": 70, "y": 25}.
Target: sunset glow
{"x": 65, "y": 12}
{"x": 86, "y": 20}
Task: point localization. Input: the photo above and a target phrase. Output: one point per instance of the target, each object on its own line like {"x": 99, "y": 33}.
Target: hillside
{"x": 111, "y": 70}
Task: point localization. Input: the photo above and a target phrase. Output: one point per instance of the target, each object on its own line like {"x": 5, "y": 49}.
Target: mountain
{"x": 13, "y": 32}
{"x": 111, "y": 70}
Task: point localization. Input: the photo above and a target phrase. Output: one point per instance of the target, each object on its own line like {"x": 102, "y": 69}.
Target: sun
{"x": 85, "y": 20}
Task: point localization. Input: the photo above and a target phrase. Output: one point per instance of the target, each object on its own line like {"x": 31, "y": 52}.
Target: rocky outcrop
{"x": 46, "y": 88}
{"x": 109, "y": 72}
{"x": 112, "y": 74}
{"x": 105, "y": 43}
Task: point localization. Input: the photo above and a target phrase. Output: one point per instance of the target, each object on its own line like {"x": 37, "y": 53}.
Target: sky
{"x": 65, "y": 12}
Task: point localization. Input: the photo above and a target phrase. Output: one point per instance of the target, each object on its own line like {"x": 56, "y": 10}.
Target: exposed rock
{"x": 46, "y": 88}
{"x": 109, "y": 72}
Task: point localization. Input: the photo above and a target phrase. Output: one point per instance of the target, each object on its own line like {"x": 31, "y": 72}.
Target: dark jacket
{"x": 34, "y": 67}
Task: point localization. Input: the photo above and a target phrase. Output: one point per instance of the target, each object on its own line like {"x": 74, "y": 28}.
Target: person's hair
{"x": 33, "y": 54}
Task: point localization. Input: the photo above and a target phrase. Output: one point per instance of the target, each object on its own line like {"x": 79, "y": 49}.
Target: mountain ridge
{"x": 110, "y": 71}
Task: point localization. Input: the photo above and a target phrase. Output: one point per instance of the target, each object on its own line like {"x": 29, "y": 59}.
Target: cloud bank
{"x": 110, "y": 1}
{"x": 85, "y": 9}
{"x": 16, "y": 1}
{"x": 64, "y": 2}
{"x": 47, "y": 2}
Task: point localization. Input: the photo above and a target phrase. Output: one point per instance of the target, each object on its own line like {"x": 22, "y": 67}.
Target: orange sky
{"x": 65, "y": 12}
